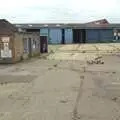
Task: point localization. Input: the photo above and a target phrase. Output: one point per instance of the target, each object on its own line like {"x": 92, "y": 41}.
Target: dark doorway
{"x": 63, "y": 36}
{"x": 32, "y": 30}
{"x": 83, "y": 36}
{"x": 43, "y": 44}
{"x": 30, "y": 46}
{"x": 79, "y": 36}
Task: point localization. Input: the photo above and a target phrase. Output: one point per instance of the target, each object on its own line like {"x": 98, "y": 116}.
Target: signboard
{"x": 5, "y": 39}
{"x": 6, "y": 52}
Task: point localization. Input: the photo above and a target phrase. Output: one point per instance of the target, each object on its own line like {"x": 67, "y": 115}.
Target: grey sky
{"x": 59, "y": 11}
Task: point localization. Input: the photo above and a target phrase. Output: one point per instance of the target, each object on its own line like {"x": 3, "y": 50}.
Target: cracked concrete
{"x": 62, "y": 89}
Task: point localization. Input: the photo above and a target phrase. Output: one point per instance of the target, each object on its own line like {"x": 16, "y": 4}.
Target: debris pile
{"x": 97, "y": 60}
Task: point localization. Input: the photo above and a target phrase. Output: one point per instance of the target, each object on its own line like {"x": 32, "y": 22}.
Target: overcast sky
{"x": 22, "y": 11}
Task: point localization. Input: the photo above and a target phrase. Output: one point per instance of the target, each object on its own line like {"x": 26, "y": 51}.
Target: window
{"x": 34, "y": 43}
{"x": 25, "y": 42}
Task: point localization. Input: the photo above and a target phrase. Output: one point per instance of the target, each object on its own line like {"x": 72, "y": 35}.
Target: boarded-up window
{"x": 25, "y": 42}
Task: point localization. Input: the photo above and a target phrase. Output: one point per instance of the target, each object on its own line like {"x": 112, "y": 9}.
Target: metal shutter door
{"x": 68, "y": 36}
{"x": 55, "y": 36}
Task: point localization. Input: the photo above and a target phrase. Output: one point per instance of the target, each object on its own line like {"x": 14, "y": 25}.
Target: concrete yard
{"x": 71, "y": 83}
{"x": 82, "y": 51}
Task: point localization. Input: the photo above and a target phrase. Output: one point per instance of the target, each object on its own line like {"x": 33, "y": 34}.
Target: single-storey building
{"x": 31, "y": 44}
{"x": 100, "y": 31}
{"x": 16, "y": 44}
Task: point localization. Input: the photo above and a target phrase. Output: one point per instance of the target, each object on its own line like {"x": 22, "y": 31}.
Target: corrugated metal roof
{"x": 71, "y": 25}
{"x": 48, "y": 25}
{"x": 105, "y": 26}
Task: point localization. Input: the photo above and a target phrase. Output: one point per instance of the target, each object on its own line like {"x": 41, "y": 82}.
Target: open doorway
{"x": 30, "y": 46}
{"x": 43, "y": 44}
{"x": 63, "y": 36}
{"x": 79, "y": 36}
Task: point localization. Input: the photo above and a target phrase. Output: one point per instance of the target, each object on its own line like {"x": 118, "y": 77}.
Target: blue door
{"x": 99, "y": 35}
{"x": 92, "y": 36}
{"x": 55, "y": 36}
{"x": 68, "y": 36}
{"x": 106, "y": 35}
